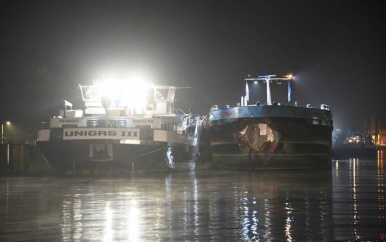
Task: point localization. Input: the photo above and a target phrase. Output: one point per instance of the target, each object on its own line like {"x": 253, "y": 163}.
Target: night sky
{"x": 336, "y": 50}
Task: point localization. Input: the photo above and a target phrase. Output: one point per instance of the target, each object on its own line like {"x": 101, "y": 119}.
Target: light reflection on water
{"x": 346, "y": 203}
{"x": 359, "y": 199}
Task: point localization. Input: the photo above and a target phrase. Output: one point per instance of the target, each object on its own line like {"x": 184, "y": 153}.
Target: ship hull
{"x": 269, "y": 137}
{"x": 82, "y": 156}
{"x": 69, "y": 156}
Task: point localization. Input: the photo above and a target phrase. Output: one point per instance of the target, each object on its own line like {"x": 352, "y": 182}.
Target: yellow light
{"x": 289, "y": 76}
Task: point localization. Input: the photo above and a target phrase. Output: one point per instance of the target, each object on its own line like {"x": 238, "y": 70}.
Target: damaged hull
{"x": 271, "y": 137}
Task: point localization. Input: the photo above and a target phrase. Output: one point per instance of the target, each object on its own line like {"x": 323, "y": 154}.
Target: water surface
{"x": 345, "y": 203}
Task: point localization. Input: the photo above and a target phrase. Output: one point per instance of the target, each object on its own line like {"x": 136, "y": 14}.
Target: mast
{"x": 268, "y": 79}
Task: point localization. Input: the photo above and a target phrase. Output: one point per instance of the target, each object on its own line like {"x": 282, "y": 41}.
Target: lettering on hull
{"x": 100, "y": 133}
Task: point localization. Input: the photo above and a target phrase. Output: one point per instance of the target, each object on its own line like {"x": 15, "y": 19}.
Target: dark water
{"x": 343, "y": 204}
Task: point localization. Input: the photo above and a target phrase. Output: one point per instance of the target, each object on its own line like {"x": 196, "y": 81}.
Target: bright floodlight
{"x": 130, "y": 93}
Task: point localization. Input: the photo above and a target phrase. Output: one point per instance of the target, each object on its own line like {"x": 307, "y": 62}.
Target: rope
{"x": 149, "y": 152}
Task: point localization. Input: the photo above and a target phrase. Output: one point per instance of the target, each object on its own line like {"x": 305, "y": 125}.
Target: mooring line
{"x": 149, "y": 152}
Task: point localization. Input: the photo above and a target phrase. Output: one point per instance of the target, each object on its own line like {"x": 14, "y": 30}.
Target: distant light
{"x": 289, "y": 76}
{"x": 255, "y": 82}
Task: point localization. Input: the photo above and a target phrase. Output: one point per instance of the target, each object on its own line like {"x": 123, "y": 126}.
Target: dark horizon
{"x": 334, "y": 48}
